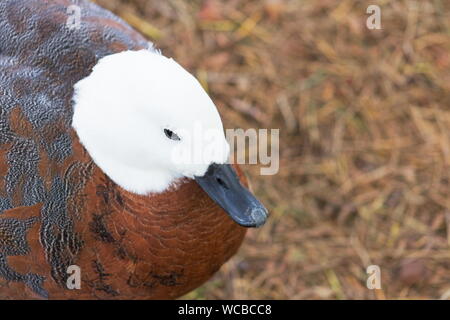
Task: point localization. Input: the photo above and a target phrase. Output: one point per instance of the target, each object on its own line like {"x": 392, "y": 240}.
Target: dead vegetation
{"x": 364, "y": 140}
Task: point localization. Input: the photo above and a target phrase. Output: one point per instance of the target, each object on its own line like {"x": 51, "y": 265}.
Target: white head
{"x": 129, "y": 112}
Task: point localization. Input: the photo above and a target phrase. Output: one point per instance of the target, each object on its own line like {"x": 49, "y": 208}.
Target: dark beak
{"x": 222, "y": 184}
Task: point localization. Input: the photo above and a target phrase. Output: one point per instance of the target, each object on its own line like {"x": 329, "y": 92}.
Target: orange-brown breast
{"x": 157, "y": 246}
{"x": 127, "y": 246}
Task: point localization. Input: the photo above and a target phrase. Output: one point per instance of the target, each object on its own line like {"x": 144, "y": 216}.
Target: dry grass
{"x": 365, "y": 137}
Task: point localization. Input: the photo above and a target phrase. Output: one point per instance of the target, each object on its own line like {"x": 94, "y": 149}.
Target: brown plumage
{"x": 57, "y": 208}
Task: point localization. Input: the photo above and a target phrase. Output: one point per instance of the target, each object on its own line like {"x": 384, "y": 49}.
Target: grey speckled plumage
{"x": 40, "y": 61}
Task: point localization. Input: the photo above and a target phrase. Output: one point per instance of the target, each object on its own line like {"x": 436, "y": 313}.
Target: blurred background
{"x": 364, "y": 119}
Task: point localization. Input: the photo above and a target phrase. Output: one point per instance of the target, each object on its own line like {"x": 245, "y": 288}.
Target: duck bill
{"x": 222, "y": 185}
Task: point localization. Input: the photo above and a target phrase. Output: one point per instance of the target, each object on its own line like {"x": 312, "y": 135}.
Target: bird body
{"x": 58, "y": 207}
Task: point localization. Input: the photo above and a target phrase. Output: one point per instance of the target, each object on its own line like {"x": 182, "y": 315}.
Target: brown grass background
{"x": 364, "y": 119}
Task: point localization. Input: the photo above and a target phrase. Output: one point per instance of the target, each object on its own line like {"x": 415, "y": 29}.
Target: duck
{"x": 97, "y": 171}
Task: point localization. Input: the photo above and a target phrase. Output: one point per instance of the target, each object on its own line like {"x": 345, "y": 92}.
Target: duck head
{"x": 147, "y": 123}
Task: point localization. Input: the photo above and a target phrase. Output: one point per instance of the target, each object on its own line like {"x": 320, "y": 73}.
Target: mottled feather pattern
{"x": 56, "y": 206}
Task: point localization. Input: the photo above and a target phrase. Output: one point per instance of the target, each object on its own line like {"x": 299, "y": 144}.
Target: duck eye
{"x": 171, "y": 135}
